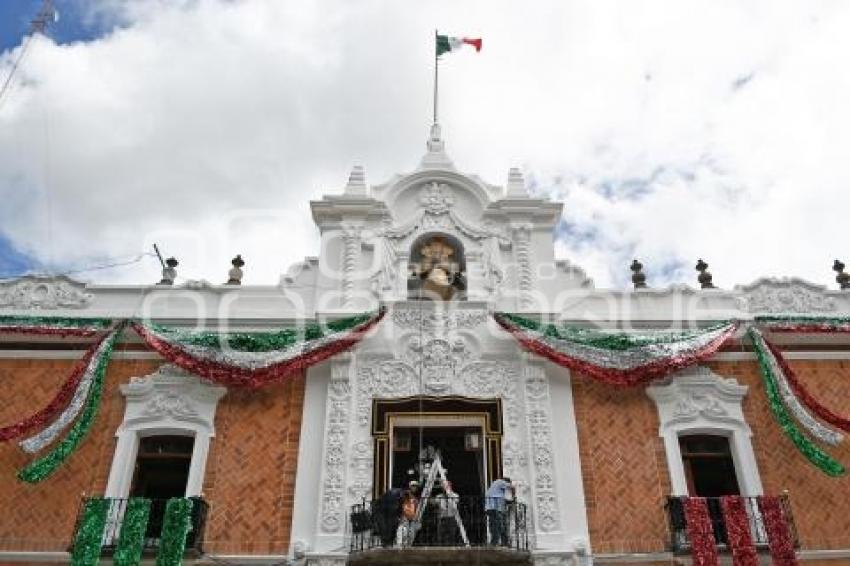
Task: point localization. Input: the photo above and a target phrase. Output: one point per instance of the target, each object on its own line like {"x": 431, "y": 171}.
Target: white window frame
{"x": 169, "y": 401}
{"x": 698, "y": 401}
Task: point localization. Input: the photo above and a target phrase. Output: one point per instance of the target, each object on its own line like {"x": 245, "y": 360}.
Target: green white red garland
{"x": 806, "y": 447}
{"x": 617, "y": 358}
{"x": 43, "y": 467}
{"x": 213, "y": 357}
{"x": 35, "y": 443}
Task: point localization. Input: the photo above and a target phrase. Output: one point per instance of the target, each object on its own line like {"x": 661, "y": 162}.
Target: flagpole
{"x": 436, "y": 74}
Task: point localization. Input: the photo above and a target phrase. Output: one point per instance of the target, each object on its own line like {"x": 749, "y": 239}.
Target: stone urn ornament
{"x": 235, "y": 274}
{"x": 169, "y": 272}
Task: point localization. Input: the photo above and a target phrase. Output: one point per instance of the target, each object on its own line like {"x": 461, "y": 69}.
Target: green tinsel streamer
{"x": 260, "y": 341}
{"x": 790, "y": 319}
{"x": 133, "y": 527}
{"x": 86, "y": 551}
{"x": 55, "y": 322}
{"x": 807, "y": 448}
{"x": 607, "y": 340}
{"x": 41, "y": 468}
{"x": 175, "y": 527}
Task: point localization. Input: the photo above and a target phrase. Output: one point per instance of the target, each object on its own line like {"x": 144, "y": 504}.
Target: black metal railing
{"x": 153, "y": 531}
{"x": 679, "y": 541}
{"x": 443, "y": 521}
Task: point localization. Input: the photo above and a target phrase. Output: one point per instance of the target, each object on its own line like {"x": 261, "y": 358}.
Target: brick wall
{"x": 250, "y": 476}
{"x": 625, "y": 471}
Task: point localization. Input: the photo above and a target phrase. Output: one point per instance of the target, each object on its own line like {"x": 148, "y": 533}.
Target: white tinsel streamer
{"x": 633, "y": 357}
{"x": 253, "y": 360}
{"x": 815, "y": 427}
{"x": 36, "y": 442}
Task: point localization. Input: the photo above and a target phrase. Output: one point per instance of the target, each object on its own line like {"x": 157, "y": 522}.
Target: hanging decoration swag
{"x": 255, "y": 359}
{"x": 43, "y": 467}
{"x": 807, "y": 448}
{"x": 617, "y": 358}
{"x": 738, "y": 531}
{"x": 700, "y": 532}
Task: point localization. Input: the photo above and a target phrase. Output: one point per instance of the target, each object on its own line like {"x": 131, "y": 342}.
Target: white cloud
{"x": 190, "y": 111}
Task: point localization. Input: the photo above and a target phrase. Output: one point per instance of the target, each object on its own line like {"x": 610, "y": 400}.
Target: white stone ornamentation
{"x": 332, "y": 516}
{"x": 47, "y": 293}
{"x": 786, "y": 296}
{"x": 436, "y": 198}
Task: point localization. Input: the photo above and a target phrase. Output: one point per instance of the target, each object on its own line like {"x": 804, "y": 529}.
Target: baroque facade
{"x": 281, "y": 468}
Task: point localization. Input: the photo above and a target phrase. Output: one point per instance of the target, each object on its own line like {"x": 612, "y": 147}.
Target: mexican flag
{"x": 447, "y": 43}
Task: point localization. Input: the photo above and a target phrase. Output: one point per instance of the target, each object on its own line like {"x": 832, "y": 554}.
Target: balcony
{"x": 449, "y": 531}
{"x": 153, "y": 531}
{"x": 680, "y": 544}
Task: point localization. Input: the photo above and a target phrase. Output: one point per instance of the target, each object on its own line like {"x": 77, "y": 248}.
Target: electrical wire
{"x": 116, "y": 262}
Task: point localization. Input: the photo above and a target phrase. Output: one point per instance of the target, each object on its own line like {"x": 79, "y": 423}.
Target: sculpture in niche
{"x": 437, "y": 268}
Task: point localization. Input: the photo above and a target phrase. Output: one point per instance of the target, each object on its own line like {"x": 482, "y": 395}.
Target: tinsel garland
{"x": 42, "y": 467}
{"x": 634, "y": 366}
{"x": 609, "y": 340}
{"x": 738, "y": 533}
{"x": 53, "y": 326}
{"x": 804, "y": 324}
{"x": 804, "y": 395}
{"x": 778, "y": 532}
{"x": 700, "y": 532}
{"x": 815, "y": 455}
{"x": 255, "y": 369}
{"x": 59, "y": 401}
{"x": 35, "y": 443}
{"x": 133, "y": 527}
{"x": 175, "y": 526}
{"x": 815, "y": 428}
{"x": 258, "y": 341}
{"x": 89, "y": 535}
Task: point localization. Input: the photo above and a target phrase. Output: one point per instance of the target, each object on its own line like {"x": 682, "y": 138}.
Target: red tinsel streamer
{"x": 778, "y": 533}
{"x": 253, "y": 378}
{"x": 611, "y": 376}
{"x": 49, "y": 331}
{"x": 803, "y": 394}
{"x": 738, "y": 531}
{"x": 700, "y": 532}
{"x": 56, "y": 405}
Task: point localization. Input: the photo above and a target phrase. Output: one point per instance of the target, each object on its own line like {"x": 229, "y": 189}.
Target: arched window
{"x": 437, "y": 268}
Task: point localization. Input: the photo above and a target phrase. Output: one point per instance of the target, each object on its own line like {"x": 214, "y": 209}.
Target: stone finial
{"x": 516, "y": 183}
{"x": 356, "y": 182}
{"x": 235, "y": 274}
{"x": 843, "y": 279}
{"x": 436, "y": 157}
{"x": 169, "y": 273}
{"x": 638, "y": 276}
{"x": 704, "y": 276}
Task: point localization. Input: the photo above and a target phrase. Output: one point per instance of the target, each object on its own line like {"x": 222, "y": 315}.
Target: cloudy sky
{"x": 670, "y": 130}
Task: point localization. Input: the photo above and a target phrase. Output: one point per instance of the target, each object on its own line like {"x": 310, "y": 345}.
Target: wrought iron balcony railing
{"x": 115, "y": 516}
{"x": 442, "y": 522}
{"x": 679, "y": 541}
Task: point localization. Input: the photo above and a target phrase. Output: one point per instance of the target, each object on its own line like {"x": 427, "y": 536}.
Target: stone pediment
{"x": 48, "y": 293}
{"x": 786, "y": 296}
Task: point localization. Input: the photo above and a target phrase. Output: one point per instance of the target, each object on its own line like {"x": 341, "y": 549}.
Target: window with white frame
{"x": 165, "y": 436}
{"x": 706, "y": 438}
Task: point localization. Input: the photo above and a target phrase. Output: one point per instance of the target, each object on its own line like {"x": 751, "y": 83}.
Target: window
{"x": 709, "y": 467}
{"x": 706, "y": 438}
{"x": 162, "y": 467}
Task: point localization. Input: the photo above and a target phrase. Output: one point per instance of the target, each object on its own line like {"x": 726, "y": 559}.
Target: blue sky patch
{"x": 12, "y": 261}
{"x": 74, "y": 23}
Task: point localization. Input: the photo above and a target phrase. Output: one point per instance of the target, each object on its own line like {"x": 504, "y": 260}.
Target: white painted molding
{"x": 698, "y": 401}
{"x": 168, "y": 401}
